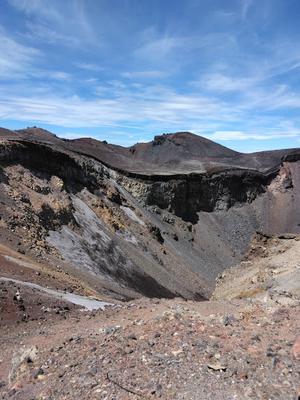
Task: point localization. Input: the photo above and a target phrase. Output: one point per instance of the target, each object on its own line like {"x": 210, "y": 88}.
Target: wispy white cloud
{"x": 272, "y": 128}
{"x": 256, "y": 87}
{"x": 121, "y": 106}
{"x": 240, "y": 135}
{"x": 159, "y": 48}
{"x": 48, "y": 74}
{"x": 41, "y": 8}
{"x": 118, "y": 103}
{"x": 156, "y": 108}
{"x": 74, "y": 135}
{"x": 280, "y": 59}
{"x": 270, "y": 98}
{"x": 19, "y": 62}
{"x": 144, "y": 74}
{"x": 165, "y": 48}
{"x": 219, "y": 82}
{"x": 45, "y": 33}
{"x": 88, "y": 66}
{"x": 245, "y": 6}
{"x": 82, "y": 20}
{"x": 61, "y": 22}
{"x": 15, "y": 57}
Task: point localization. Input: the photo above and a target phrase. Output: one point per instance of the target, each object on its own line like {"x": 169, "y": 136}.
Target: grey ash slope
{"x": 160, "y": 219}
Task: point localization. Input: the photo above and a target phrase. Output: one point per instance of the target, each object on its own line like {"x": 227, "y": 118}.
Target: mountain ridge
{"x": 166, "y": 154}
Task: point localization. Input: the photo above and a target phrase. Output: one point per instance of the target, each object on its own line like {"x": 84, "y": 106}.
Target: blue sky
{"x": 126, "y": 70}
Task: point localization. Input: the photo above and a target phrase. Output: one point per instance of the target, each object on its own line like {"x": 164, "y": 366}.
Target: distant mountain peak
{"x": 170, "y": 153}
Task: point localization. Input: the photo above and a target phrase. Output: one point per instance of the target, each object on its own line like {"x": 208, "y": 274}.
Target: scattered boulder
{"x": 20, "y": 359}
{"x": 156, "y": 233}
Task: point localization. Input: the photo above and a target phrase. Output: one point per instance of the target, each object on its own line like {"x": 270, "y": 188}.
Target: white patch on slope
{"x": 83, "y": 301}
{"x": 132, "y": 215}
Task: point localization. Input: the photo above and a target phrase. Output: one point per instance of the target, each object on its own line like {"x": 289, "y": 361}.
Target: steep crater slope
{"x": 73, "y": 211}
{"x": 85, "y": 206}
{"x": 187, "y": 195}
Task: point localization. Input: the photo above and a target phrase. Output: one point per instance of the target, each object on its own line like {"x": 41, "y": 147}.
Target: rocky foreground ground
{"x": 244, "y": 346}
{"x": 150, "y": 349}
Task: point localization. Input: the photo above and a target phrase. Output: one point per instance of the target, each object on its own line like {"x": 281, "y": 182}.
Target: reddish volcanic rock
{"x": 296, "y": 349}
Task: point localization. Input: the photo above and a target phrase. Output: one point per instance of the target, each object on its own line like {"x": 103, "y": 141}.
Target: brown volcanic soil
{"x": 244, "y": 348}
{"x": 23, "y": 268}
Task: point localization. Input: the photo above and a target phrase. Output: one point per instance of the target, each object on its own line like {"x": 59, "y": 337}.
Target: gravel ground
{"x": 149, "y": 349}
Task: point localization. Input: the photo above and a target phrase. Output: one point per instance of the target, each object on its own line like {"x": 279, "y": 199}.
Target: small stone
{"x": 217, "y": 366}
{"x": 17, "y": 297}
{"x": 93, "y": 371}
{"x": 281, "y": 352}
{"x": 110, "y": 329}
{"x": 12, "y": 392}
{"x": 132, "y": 336}
{"x": 177, "y": 352}
{"x": 242, "y": 375}
{"x": 39, "y": 372}
{"x": 228, "y": 320}
{"x": 296, "y": 349}
{"x": 270, "y": 352}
